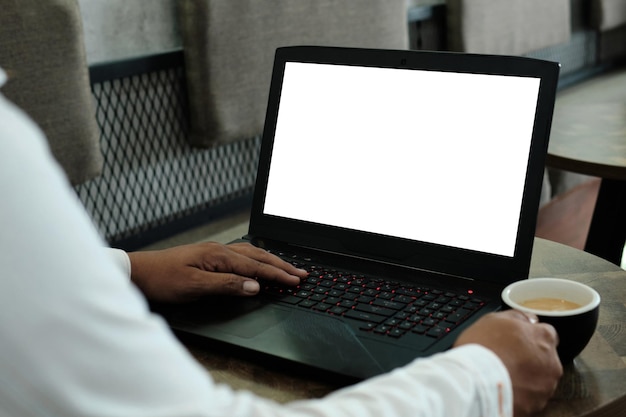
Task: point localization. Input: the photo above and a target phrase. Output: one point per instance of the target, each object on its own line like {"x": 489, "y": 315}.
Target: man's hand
{"x": 188, "y": 272}
{"x": 527, "y": 349}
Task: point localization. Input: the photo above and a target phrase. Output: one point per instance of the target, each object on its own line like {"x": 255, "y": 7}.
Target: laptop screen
{"x": 432, "y": 156}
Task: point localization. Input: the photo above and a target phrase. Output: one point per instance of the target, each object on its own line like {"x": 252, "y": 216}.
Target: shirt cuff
{"x": 493, "y": 383}
{"x": 121, "y": 259}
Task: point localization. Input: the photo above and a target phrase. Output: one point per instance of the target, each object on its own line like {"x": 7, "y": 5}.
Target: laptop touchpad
{"x": 251, "y": 325}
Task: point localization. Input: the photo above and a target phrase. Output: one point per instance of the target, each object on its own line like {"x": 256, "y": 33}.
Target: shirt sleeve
{"x": 79, "y": 339}
{"x": 469, "y": 381}
{"x": 121, "y": 259}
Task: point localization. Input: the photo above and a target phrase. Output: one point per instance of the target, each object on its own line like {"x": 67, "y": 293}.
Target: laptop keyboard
{"x": 384, "y": 308}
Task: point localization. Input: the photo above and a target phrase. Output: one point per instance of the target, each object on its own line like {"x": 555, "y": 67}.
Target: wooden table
{"x": 594, "y": 385}
{"x": 589, "y": 137}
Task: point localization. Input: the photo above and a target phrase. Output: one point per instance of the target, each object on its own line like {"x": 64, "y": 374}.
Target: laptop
{"x": 407, "y": 183}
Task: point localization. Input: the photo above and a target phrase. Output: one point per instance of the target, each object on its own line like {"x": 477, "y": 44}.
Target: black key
{"x": 447, "y": 309}
{"x": 419, "y": 329}
{"x": 411, "y": 309}
{"x": 322, "y": 307}
{"x": 396, "y": 332}
{"x": 359, "y": 281}
{"x": 365, "y": 299}
{"x": 416, "y": 318}
{"x": 439, "y": 315}
{"x": 317, "y": 297}
{"x": 347, "y": 303}
{"x": 403, "y": 299}
{"x": 290, "y": 299}
{"x": 363, "y": 316}
{"x": 448, "y": 326}
{"x": 429, "y": 322}
{"x": 333, "y": 300}
{"x": 337, "y": 310}
{"x": 436, "y": 332}
{"x": 374, "y": 309}
{"x": 356, "y": 290}
{"x": 382, "y": 329}
{"x": 335, "y": 293}
{"x": 307, "y": 303}
{"x": 407, "y": 292}
{"x": 457, "y": 316}
{"x": 406, "y": 325}
{"x": 367, "y": 326}
{"x": 385, "y": 295}
{"x": 370, "y": 292}
{"x": 389, "y": 304}
{"x": 392, "y": 322}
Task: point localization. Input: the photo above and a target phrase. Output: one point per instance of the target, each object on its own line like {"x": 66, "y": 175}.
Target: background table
{"x": 594, "y": 385}
{"x": 589, "y": 137}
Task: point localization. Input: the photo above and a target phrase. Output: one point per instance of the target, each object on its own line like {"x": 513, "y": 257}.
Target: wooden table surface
{"x": 594, "y": 385}
{"x": 589, "y": 137}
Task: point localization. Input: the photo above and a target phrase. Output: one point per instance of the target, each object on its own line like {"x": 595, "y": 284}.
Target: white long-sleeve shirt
{"x": 77, "y": 338}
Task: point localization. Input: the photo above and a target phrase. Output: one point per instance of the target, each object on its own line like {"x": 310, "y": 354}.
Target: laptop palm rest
{"x": 295, "y": 335}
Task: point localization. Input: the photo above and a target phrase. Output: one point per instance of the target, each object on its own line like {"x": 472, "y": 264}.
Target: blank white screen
{"x": 437, "y": 157}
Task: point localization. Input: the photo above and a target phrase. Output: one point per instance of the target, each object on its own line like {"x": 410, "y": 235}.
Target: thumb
{"x": 232, "y": 284}
{"x": 211, "y": 283}
{"x": 250, "y": 287}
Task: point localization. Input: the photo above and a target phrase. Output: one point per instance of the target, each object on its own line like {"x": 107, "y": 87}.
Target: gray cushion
{"x": 512, "y": 27}
{"x": 42, "y": 51}
{"x": 229, "y": 50}
{"x": 608, "y": 14}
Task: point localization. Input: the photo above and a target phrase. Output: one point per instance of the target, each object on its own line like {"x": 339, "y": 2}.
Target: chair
{"x": 513, "y": 27}
{"x": 229, "y": 51}
{"x": 42, "y": 51}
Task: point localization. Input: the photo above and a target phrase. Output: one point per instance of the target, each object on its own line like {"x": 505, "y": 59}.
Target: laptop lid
{"x": 428, "y": 160}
